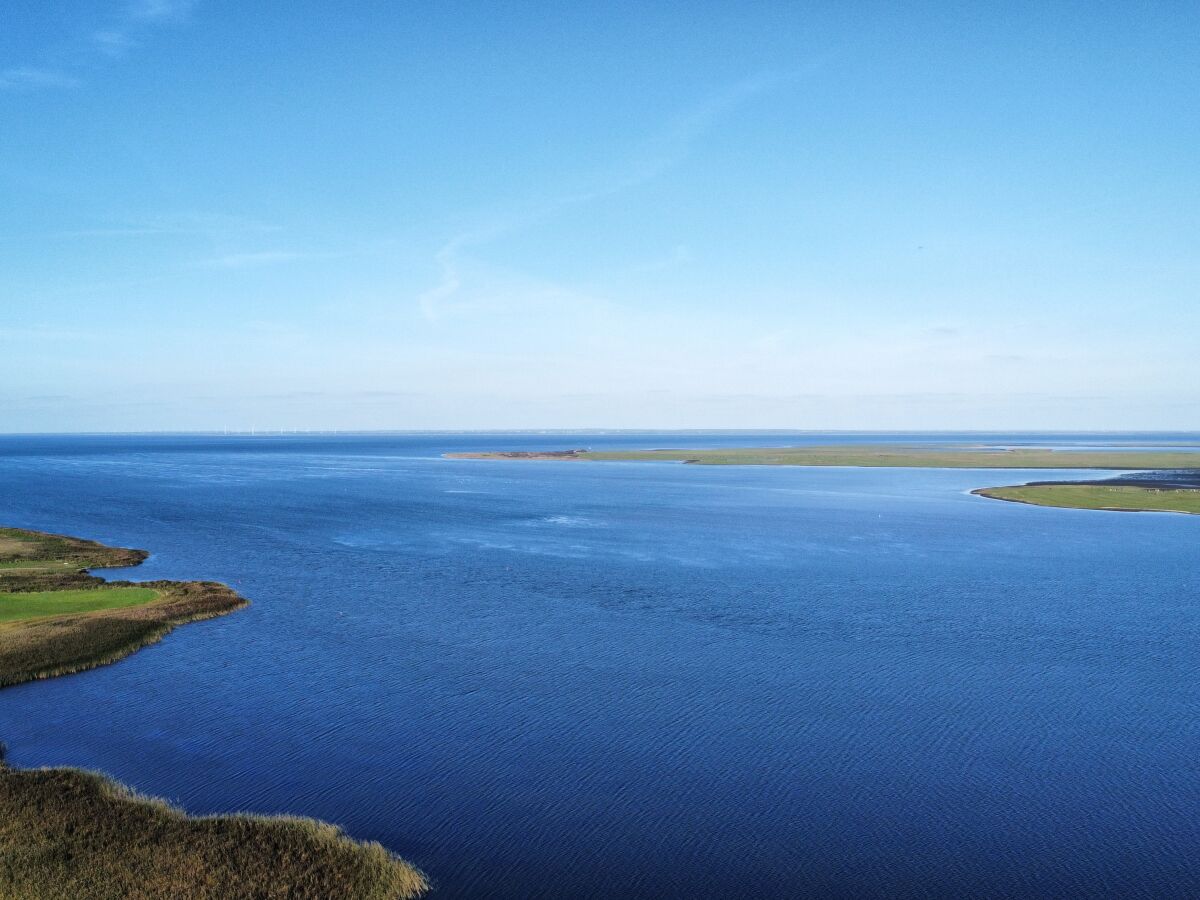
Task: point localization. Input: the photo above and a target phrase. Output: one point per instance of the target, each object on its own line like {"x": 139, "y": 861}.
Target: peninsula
{"x": 1172, "y": 485}
{"x": 69, "y": 833}
{"x": 1144, "y": 492}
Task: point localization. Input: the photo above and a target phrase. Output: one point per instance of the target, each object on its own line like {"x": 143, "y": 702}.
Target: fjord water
{"x": 645, "y": 679}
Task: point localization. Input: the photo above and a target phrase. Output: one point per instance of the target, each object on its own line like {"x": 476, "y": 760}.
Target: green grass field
{"x": 954, "y": 457}
{"x": 1092, "y": 496}
{"x": 15, "y": 607}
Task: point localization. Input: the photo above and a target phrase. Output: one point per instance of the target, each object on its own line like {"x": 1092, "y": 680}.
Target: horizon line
{"x": 330, "y": 432}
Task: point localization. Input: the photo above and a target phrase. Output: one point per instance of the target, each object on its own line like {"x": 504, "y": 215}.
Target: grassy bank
{"x": 67, "y": 834}
{"x": 56, "y": 618}
{"x": 874, "y": 456}
{"x": 22, "y": 547}
{"x": 1096, "y": 496}
{"x": 50, "y": 645}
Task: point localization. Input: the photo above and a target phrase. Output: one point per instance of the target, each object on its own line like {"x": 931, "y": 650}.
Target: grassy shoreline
{"x": 66, "y": 833}
{"x": 53, "y": 645}
{"x": 1098, "y": 496}
{"x": 46, "y": 642}
{"x": 69, "y": 833}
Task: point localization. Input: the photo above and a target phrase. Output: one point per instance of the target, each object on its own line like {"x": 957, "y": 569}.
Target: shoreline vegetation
{"x": 1173, "y": 485}
{"x": 70, "y": 833}
{"x": 1111, "y": 497}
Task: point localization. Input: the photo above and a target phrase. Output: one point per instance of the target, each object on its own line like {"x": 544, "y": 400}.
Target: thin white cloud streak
{"x": 134, "y": 18}
{"x": 215, "y": 226}
{"x": 27, "y": 78}
{"x": 38, "y": 333}
{"x": 159, "y": 10}
{"x": 655, "y": 156}
{"x": 450, "y": 282}
{"x": 112, "y": 42}
{"x": 138, "y": 17}
{"x": 245, "y": 260}
{"x": 681, "y": 255}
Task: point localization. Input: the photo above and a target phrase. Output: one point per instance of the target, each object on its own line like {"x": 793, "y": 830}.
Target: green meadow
{"x": 14, "y": 607}
{"x": 1095, "y": 496}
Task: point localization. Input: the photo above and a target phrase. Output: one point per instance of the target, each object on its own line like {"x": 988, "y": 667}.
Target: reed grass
{"x": 67, "y": 834}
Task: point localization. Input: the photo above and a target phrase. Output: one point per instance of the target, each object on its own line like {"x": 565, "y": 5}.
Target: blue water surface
{"x": 539, "y": 679}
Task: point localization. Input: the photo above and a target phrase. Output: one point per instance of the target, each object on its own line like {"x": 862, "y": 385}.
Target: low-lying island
{"x": 1115, "y": 495}
{"x": 68, "y": 833}
{"x": 1172, "y": 486}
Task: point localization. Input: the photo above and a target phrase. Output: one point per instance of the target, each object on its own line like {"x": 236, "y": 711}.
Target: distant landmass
{"x": 1172, "y": 486}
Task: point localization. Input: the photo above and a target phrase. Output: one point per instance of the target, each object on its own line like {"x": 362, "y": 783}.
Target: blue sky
{"x": 469, "y": 215}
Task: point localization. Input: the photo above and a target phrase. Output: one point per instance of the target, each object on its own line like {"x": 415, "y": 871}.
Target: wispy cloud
{"x": 246, "y": 260}
{"x": 680, "y": 255}
{"x": 941, "y": 332}
{"x": 54, "y": 333}
{"x": 112, "y": 41}
{"x": 137, "y": 17}
{"x": 130, "y": 22}
{"x": 26, "y": 78}
{"x": 447, "y": 262}
{"x": 648, "y": 160}
{"x": 159, "y": 10}
{"x": 215, "y": 226}
{"x": 219, "y": 240}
